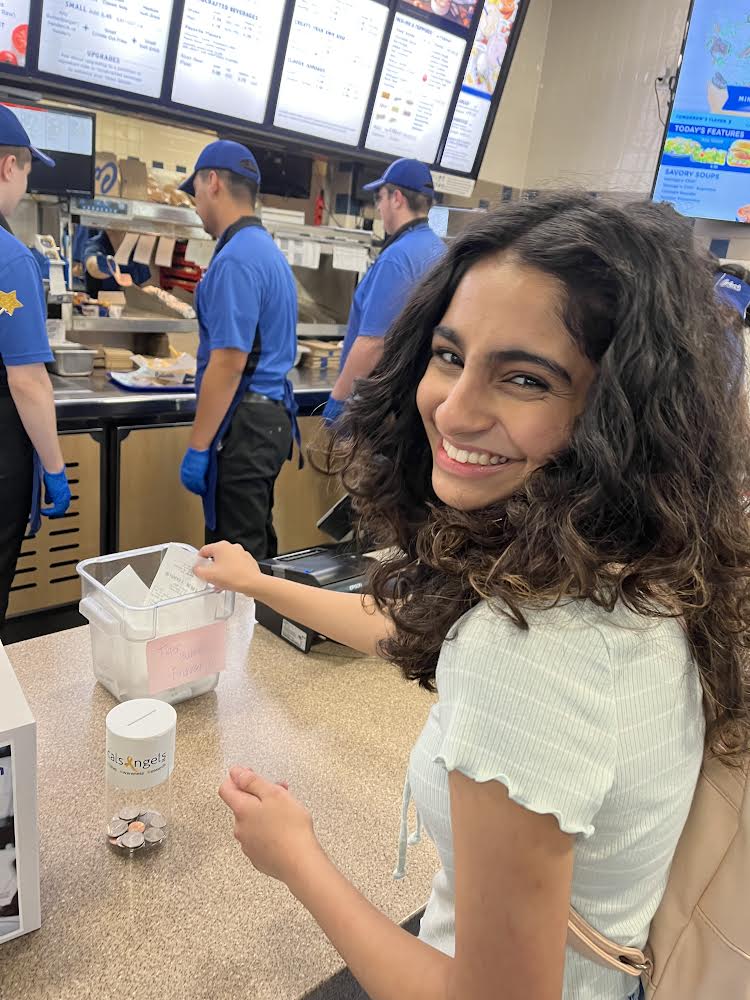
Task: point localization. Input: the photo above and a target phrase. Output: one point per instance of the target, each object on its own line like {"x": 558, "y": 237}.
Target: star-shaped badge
{"x": 9, "y": 303}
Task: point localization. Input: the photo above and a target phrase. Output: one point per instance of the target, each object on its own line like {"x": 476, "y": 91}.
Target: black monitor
{"x": 69, "y": 138}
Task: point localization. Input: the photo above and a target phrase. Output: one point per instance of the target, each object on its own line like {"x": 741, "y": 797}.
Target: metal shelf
{"x": 133, "y": 324}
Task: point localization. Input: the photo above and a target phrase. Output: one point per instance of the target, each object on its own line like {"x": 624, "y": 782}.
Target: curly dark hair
{"x": 646, "y": 503}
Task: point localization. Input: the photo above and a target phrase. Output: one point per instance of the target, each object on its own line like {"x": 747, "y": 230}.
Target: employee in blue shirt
{"x": 247, "y": 314}
{"x": 100, "y": 266}
{"x": 28, "y": 422}
{"x": 403, "y": 197}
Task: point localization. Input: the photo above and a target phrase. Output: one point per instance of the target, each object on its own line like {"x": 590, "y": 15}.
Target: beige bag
{"x": 699, "y": 943}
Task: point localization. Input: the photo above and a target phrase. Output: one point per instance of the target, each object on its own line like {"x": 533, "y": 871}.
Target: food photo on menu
{"x": 9, "y": 915}
{"x": 490, "y": 45}
{"x": 14, "y": 32}
{"x": 459, "y": 11}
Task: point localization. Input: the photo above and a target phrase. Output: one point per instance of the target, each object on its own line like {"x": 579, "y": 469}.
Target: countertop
{"x": 94, "y": 395}
{"x": 199, "y": 922}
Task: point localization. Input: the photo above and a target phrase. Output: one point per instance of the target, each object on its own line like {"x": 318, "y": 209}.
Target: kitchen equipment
{"x": 72, "y": 359}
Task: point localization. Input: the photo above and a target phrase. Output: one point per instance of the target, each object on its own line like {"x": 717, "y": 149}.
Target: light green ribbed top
{"x": 593, "y": 717}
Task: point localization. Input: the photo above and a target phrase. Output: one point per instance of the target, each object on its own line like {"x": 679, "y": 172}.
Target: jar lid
{"x": 141, "y": 719}
{"x": 140, "y": 743}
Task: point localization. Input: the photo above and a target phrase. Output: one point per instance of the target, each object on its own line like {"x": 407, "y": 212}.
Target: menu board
{"x": 329, "y": 67}
{"x": 415, "y": 89}
{"x": 705, "y": 165}
{"x": 14, "y": 31}
{"x": 109, "y": 43}
{"x": 226, "y": 55}
{"x": 486, "y": 60}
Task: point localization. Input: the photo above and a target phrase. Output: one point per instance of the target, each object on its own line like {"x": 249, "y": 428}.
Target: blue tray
{"x": 123, "y": 380}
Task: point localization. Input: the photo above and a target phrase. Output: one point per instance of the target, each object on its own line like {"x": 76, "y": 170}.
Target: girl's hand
{"x": 275, "y": 831}
{"x": 232, "y": 568}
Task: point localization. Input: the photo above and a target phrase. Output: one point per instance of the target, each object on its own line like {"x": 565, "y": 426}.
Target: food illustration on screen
{"x": 728, "y": 45}
{"x": 9, "y": 914}
{"x": 490, "y": 44}
{"x": 459, "y": 11}
{"x": 739, "y": 154}
{"x": 14, "y": 30}
{"x": 743, "y": 214}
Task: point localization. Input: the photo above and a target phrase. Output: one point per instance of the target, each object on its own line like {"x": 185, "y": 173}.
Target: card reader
{"x": 332, "y": 567}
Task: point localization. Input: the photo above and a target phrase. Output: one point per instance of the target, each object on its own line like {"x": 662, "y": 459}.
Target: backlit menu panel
{"x": 14, "y": 31}
{"x": 415, "y": 89}
{"x": 705, "y": 164}
{"x": 118, "y": 44}
{"x": 226, "y": 55}
{"x": 486, "y": 60}
{"x": 329, "y": 67}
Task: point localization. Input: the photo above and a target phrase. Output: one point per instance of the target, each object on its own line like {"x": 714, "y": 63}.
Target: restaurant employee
{"x": 27, "y": 407}
{"x": 247, "y": 314}
{"x": 403, "y": 197}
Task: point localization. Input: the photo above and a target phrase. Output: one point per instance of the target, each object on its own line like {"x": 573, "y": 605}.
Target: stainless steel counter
{"x": 96, "y": 396}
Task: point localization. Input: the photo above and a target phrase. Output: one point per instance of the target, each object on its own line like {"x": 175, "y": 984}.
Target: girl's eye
{"x": 528, "y": 382}
{"x": 446, "y": 356}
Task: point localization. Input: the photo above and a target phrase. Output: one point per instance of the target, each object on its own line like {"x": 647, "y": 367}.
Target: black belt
{"x": 258, "y": 397}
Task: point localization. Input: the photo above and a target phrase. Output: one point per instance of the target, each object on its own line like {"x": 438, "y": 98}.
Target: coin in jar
{"x": 131, "y": 840}
{"x": 156, "y": 819}
{"x": 117, "y": 827}
{"x": 129, "y": 814}
{"x": 153, "y": 835}
{"x": 136, "y": 826}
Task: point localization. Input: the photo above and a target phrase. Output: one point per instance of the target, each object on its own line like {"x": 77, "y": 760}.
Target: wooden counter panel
{"x": 46, "y": 572}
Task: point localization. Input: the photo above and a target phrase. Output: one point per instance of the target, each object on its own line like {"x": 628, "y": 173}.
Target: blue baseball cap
{"x": 411, "y": 174}
{"x": 12, "y": 133}
{"x": 224, "y": 155}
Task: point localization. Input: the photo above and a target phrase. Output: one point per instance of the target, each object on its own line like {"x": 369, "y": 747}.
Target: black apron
{"x": 290, "y": 404}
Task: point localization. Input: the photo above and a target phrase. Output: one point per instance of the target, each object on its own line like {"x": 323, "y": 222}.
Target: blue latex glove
{"x": 56, "y": 492}
{"x": 194, "y": 471}
{"x": 333, "y": 410}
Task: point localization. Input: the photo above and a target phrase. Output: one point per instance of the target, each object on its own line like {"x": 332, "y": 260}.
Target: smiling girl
{"x": 554, "y": 450}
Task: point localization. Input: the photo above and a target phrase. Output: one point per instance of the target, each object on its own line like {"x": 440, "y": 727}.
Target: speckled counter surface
{"x": 199, "y": 921}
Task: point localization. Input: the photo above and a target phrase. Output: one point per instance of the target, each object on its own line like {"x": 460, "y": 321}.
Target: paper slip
{"x": 165, "y": 251}
{"x": 199, "y": 252}
{"x": 130, "y": 589}
{"x": 126, "y": 248}
{"x": 175, "y": 577}
{"x": 310, "y": 255}
{"x": 350, "y": 258}
{"x": 144, "y": 250}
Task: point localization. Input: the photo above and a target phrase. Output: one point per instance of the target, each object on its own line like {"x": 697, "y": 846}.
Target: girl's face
{"x": 504, "y": 385}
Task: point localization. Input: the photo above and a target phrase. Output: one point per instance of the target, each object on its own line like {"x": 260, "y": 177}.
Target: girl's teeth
{"x": 472, "y": 457}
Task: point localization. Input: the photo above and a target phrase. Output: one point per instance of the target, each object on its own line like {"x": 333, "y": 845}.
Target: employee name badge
{"x": 19, "y": 837}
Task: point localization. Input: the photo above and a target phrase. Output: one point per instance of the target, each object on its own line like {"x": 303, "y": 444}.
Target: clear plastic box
{"x": 172, "y": 650}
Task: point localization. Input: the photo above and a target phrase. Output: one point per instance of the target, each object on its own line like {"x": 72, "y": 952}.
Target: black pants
{"x": 16, "y": 473}
{"x": 253, "y": 452}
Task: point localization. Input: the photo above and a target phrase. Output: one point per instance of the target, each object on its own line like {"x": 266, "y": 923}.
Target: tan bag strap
{"x": 592, "y": 945}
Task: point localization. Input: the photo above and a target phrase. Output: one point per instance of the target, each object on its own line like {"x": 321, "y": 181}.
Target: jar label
{"x": 174, "y": 660}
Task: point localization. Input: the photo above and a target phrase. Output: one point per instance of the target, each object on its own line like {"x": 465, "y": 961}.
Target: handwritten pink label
{"x": 186, "y": 657}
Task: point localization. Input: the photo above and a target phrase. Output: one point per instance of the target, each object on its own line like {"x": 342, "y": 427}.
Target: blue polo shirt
{"x": 385, "y": 288}
{"x": 23, "y": 311}
{"x": 247, "y": 300}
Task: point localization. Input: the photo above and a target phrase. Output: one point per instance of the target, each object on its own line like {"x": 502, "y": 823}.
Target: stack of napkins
{"x": 174, "y": 578}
